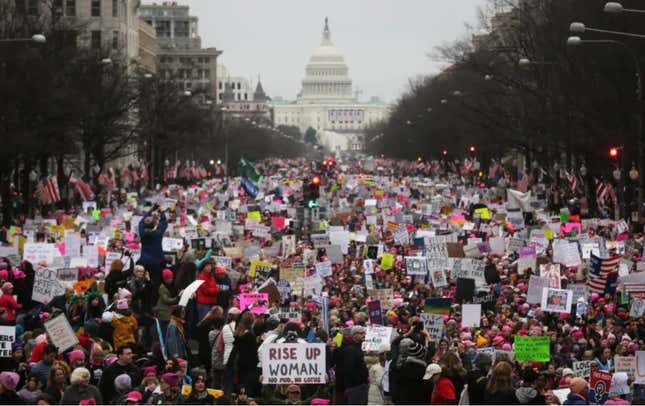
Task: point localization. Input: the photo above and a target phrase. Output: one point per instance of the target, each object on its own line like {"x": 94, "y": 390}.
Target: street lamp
{"x": 37, "y": 38}
{"x": 106, "y": 61}
{"x": 580, "y": 28}
{"x": 617, "y": 8}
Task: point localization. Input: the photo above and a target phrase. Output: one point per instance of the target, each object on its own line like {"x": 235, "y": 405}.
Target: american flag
{"x": 602, "y": 271}
{"x": 573, "y": 182}
{"x": 605, "y": 191}
{"x": 47, "y": 190}
{"x": 82, "y": 188}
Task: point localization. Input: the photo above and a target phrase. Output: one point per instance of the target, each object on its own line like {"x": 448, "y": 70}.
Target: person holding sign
{"x": 151, "y": 229}
{"x": 208, "y": 291}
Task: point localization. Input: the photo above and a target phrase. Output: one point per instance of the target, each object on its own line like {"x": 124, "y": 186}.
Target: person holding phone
{"x": 152, "y": 227}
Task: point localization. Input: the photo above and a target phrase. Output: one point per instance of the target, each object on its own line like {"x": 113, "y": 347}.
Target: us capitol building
{"x": 326, "y": 102}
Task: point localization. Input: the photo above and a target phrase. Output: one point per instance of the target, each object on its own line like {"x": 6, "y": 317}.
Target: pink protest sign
{"x": 256, "y": 302}
{"x": 573, "y": 226}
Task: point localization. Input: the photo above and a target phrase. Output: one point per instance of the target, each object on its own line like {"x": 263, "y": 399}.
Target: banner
{"x": 293, "y": 363}
{"x": 60, "y": 333}
{"x": 377, "y": 338}
{"x": 7, "y": 337}
{"x": 531, "y": 348}
{"x": 46, "y": 286}
{"x": 599, "y": 387}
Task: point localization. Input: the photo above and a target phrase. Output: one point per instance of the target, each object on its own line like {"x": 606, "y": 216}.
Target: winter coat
{"x": 444, "y": 393}
{"x": 411, "y": 387}
{"x": 207, "y": 292}
{"x": 151, "y": 250}
{"x": 375, "y": 392}
{"x": 353, "y": 363}
{"x": 229, "y": 340}
{"x": 165, "y": 303}
{"x": 501, "y": 398}
{"x": 75, "y": 393}
{"x": 175, "y": 343}
{"x": 575, "y": 399}
{"x": 125, "y": 328}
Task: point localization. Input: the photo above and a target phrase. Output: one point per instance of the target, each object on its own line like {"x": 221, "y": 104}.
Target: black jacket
{"x": 353, "y": 364}
{"x": 477, "y": 381}
{"x": 506, "y": 397}
{"x": 412, "y": 390}
{"x": 106, "y": 385}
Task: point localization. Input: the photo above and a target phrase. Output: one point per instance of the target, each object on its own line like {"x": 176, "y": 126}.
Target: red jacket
{"x": 444, "y": 392}
{"x": 9, "y": 305}
{"x": 207, "y": 292}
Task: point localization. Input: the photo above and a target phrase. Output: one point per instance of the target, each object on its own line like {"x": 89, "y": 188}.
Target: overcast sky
{"x": 385, "y": 42}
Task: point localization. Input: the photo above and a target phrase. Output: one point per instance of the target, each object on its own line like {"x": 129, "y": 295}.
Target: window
{"x": 20, "y": 6}
{"x": 163, "y": 29}
{"x": 115, "y": 8}
{"x": 96, "y": 39}
{"x": 70, "y": 8}
{"x": 32, "y": 8}
{"x": 58, "y": 7}
{"x": 221, "y": 97}
{"x": 239, "y": 85}
{"x": 219, "y": 85}
{"x": 96, "y": 8}
{"x": 115, "y": 39}
{"x": 181, "y": 29}
{"x": 207, "y": 73}
{"x": 246, "y": 96}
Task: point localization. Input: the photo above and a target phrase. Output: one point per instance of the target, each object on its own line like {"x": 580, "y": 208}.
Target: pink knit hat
{"x": 75, "y": 356}
{"x": 166, "y": 274}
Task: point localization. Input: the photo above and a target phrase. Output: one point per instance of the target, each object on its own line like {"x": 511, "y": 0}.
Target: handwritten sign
{"x": 288, "y": 363}
{"x": 39, "y": 252}
{"x": 434, "y": 325}
{"x": 46, "y": 286}
{"x": 60, "y": 333}
{"x": 582, "y": 369}
{"x": 172, "y": 244}
{"x": 625, "y": 364}
{"x": 377, "y": 338}
{"x": 323, "y": 269}
{"x": 416, "y": 266}
{"x": 531, "y": 348}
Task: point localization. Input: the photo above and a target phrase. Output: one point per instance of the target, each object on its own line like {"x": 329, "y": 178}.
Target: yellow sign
{"x": 254, "y": 215}
{"x": 187, "y": 389}
{"x": 258, "y": 264}
{"x": 387, "y": 262}
{"x": 483, "y": 212}
{"x": 117, "y": 233}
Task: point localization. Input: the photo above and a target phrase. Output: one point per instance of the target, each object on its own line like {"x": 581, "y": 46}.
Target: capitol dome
{"x": 326, "y": 75}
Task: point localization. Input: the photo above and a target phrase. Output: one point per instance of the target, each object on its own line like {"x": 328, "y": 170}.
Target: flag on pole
{"x": 602, "y": 273}
{"x": 248, "y": 170}
{"x": 82, "y": 188}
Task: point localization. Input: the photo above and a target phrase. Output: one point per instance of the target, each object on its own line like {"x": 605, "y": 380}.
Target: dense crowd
{"x": 421, "y": 285}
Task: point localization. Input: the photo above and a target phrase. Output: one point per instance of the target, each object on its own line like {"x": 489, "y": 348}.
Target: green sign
{"x": 312, "y": 204}
{"x": 532, "y": 348}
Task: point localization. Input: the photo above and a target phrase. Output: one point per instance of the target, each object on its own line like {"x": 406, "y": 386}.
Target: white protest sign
{"x": 189, "y": 291}
{"x": 377, "y": 338}
{"x": 368, "y": 266}
{"x": 471, "y": 315}
{"x": 552, "y": 273}
{"x": 288, "y": 363}
{"x": 639, "y": 374}
{"x": 468, "y": 268}
{"x": 556, "y": 300}
{"x": 434, "y": 325}
{"x": 636, "y": 307}
{"x": 536, "y": 286}
{"x": 582, "y": 369}
{"x": 7, "y": 337}
{"x": 323, "y": 269}
{"x": 171, "y": 244}
{"x": 60, "y": 333}
{"x": 46, "y": 286}
{"x": 91, "y": 253}
{"x": 110, "y": 257}
{"x": 625, "y": 364}
{"x": 416, "y": 266}
{"x": 67, "y": 276}
{"x": 72, "y": 244}
{"x": 39, "y": 252}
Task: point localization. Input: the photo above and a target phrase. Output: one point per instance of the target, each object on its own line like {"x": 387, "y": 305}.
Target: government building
{"x": 327, "y": 103}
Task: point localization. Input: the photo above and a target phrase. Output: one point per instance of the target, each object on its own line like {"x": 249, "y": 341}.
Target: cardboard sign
{"x": 293, "y": 363}
{"x": 60, "y": 333}
{"x": 471, "y": 315}
{"x": 7, "y": 337}
{"x": 599, "y": 387}
{"x": 46, "y": 286}
{"x": 536, "y": 286}
{"x": 377, "y": 339}
{"x": 532, "y": 348}
{"x": 257, "y": 303}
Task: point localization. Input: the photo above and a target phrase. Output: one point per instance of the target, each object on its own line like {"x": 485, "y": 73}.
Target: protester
{"x": 81, "y": 389}
{"x": 8, "y": 384}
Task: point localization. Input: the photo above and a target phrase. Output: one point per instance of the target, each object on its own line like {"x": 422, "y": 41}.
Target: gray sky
{"x": 385, "y": 42}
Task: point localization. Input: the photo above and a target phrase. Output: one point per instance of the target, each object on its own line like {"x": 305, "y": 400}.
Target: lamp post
{"x": 640, "y": 136}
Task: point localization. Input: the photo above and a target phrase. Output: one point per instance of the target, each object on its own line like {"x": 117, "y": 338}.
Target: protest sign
{"x": 189, "y": 291}
{"x": 561, "y": 394}
{"x": 536, "y": 286}
{"x": 225, "y": 261}
{"x": 438, "y": 278}
{"x": 67, "y": 276}
{"x": 532, "y": 348}
{"x": 39, "y": 252}
{"x": 636, "y": 307}
{"x": 292, "y": 274}
{"x": 471, "y": 315}
{"x": 368, "y": 266}
{"x": 625, "y": 364}
{"x": 515, "y": 244}
{"x": 387, "y": 261}
{"x": 468, "y": 268}
{"x": 556, "y": 300}
{"x": 639, "y": 375}
{"x": 437, "y": 305}
{"x": 579, "y": 290}
{"x": 260, "y": 271}
{"x": 433, "y": 324}
{"x": 288, "y": 363}
{"x": 385, "y": 296}
{"x": 289, "y": 313}
{"x": 46, "y": 286}
{"x": 110, "y": 257}
{"x": 7, "y": 337}
{"x": 255, "y": 302}
{"x": 171, "y": 244}
{"x": 60, "y": 333}
{"x": 323, "y": 269}
{"x": 582, "y": 369}
{"x": 416, "y": 266}
{"x": 599, "y": 387}
{"x": 375, "y": 313}
{"x": 377, "y": 338}
{"x": 552, "y": 273}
